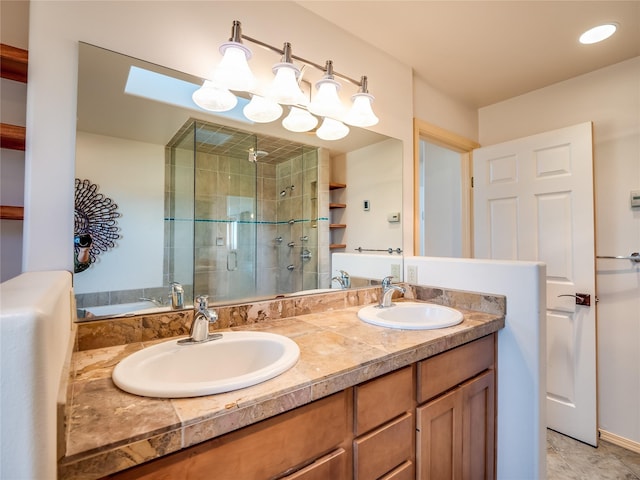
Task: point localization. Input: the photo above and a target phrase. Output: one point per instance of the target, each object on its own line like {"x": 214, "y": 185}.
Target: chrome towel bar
{"x": 634, "y": 257}
{"x": 388, "y": 250}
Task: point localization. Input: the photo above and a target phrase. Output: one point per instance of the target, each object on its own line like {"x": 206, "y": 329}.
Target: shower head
{"x": 254, "y": 155}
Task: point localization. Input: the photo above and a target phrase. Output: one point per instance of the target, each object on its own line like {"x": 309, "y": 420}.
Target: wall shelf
{"x": 11, "y": 213}
{"x": 336, "y": 227}
{"x": 13, "y": 63}
{"x": 12, "y": 137}
{"x": 13, "y": 66}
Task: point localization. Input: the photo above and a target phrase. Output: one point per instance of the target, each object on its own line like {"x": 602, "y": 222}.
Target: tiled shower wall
{"x": 297, "y": 223}
{"x": 231, "y": 226}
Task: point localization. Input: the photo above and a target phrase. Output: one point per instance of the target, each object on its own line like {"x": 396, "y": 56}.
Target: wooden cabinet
{"x": 435, "y": 418}
{"x": 456, "y": 427}
{"x": 269, "y": 449}
{"x": 333, "y": 465}
{"x": 384, "y": 425}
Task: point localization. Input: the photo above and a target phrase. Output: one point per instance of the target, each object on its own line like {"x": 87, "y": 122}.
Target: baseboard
{"x": 620, "y": 441}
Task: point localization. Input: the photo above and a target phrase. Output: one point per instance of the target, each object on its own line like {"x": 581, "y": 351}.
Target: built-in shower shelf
{"x": 337, "y": 205}
{"x": 338, "y": 225}
{"x": 336, "y": 185}
{"x": 335, "y": 246}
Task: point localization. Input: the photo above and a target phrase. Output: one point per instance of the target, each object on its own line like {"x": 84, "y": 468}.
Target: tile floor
{"x": 568, "y": 459}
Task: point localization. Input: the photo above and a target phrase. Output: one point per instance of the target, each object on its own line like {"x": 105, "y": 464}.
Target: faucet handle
{"x": 203, "y": 302}
{"x": 386, "y": 281}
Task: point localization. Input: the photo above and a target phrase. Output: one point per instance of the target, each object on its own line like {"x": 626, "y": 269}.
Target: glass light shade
{"x": 234, "y": 72}
{"x": 213, "y": 98}
{"x": 299, "y": 120}
{"x": 332, "y": 130}
{"x": 262, "y": 110}
{"x": 327, "y": 102}
{"x": 361, "y": 114}
{"x": 285, "y": 89}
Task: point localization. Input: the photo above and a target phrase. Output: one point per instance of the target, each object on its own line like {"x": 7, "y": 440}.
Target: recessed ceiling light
{"x": 598, "y": 34}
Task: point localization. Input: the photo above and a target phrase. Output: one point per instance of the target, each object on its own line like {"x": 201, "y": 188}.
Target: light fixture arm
{"x": 300, "y": 59}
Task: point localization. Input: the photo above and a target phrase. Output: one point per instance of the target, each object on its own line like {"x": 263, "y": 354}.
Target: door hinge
{"x": 471, "y": 182}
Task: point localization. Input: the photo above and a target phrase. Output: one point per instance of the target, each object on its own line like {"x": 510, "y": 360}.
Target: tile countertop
{"x": 109, "y": 430}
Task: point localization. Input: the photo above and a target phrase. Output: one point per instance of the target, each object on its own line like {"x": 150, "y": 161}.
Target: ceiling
{"x": 483, "y": 52}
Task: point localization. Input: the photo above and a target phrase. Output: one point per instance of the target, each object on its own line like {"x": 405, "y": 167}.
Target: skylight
{"x": 173, "y": 91}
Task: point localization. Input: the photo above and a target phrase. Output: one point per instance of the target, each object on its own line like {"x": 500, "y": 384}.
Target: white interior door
{"x": 533, "y": 200}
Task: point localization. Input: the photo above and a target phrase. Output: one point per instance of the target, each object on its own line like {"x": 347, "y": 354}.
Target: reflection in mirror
{"x": 442, "y": 192}
{"x": 220, "y": 205}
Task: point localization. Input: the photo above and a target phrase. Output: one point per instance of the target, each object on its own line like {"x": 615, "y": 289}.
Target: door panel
{"x": 533, "y": 200}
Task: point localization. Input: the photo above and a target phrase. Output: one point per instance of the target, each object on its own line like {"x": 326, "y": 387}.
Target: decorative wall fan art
{"x": 95, "y": 225}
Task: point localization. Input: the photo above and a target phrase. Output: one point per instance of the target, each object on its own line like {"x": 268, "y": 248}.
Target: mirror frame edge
{"x": 458, "y": 143}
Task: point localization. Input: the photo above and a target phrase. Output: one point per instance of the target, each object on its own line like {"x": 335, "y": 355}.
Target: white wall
{"x": 521, "y": 428}
{"x": 609, "y": 97}
{"x": 35, "y": 344}
{"x": 373, "y": 177}
{"x": 131, "y": 174}
{"x": 436, "y": 108}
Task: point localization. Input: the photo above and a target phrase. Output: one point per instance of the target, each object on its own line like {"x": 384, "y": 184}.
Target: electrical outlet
{"x": 395, "y": 271}
{"x": 412, "y": 274}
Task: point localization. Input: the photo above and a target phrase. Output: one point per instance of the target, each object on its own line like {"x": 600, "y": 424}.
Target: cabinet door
{"x": 478, "y": 427}
{"x": 439, "y": 438}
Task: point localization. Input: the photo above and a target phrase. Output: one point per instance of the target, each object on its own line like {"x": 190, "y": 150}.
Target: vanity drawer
{"x": 382, "y": 450}
{"x": 406, "y": 471}
{"x": 383, "y": 399}
{"x": 448, "y": 369}
{"x": 333, "y": 466}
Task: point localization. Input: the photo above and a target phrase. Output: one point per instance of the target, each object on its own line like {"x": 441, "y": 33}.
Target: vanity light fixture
{"x": 299, "y": 120}
{"x": 214, "y": 98}
{"x": 262, "y": 110}
{"x": 598, "y": 34}
{"x": 284, "y": 88}
{"x": 327, "y": 102}
{"x": 332, "y": 129}
{"x": 234, "y": 73}
{"x": 361, "y": 113}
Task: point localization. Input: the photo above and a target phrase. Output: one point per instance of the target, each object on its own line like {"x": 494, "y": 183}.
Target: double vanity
{"x": 361, "y": 401}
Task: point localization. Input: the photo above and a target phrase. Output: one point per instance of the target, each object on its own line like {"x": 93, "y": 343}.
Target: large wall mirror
{"x": 222, "y": 206}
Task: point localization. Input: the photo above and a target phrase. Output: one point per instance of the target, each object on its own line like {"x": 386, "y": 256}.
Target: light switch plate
{"x": 412, "y": 274}
{"x": 395, "y": 271}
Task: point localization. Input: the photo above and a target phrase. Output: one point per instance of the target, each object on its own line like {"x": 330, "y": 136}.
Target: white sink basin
{"x": 237, "y": 360}
{"x": 411, "y": 316}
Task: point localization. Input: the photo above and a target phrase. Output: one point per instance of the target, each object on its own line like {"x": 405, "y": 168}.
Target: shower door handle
{"x": 232, "y": 260}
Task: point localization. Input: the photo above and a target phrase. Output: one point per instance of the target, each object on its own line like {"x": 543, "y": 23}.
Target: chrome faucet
{"x": 387, "y": 292}
{"x": 177, "y": 295}
{"x": 199, "y": 332}
{"x": 344, "y": 280}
